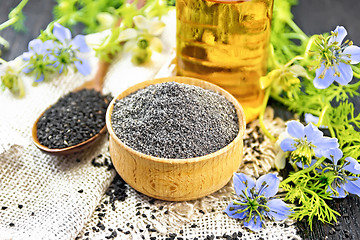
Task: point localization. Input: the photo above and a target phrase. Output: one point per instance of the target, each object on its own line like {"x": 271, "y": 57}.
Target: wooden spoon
{"x": 96, "y": 83}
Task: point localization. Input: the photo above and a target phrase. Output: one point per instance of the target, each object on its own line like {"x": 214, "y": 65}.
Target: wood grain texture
{"x": 177, "y": 179}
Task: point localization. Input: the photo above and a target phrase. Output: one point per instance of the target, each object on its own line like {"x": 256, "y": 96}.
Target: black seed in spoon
{"x": 74, "y": 118}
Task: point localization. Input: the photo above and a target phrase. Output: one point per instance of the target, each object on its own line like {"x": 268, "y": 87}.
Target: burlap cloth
{"x": 51, "y": 197}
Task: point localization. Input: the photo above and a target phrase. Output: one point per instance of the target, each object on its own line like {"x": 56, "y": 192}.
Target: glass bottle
{"x": 226, "y": 42}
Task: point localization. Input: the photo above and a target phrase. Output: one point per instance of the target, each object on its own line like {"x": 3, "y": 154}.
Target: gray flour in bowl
{"x": 175, "y": 120}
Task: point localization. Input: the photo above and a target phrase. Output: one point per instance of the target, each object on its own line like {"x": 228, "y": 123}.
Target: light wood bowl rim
{"x": 186, "y": 80}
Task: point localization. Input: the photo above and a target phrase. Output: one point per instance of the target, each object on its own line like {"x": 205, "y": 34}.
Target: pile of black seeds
{"x": 117, "y": 192}
{"x": 73, "y": 119}
{"x": 173, "y": 120}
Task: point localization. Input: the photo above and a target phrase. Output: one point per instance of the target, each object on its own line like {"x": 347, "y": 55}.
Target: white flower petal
{"x": 156, "y": 28}
{"x": 127, "y": 34}
{"x": 156, "y": 44}
{"x": 141, "y": 22}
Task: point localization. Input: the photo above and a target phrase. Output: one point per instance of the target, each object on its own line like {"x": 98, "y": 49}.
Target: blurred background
{"x": 312, "y": 17}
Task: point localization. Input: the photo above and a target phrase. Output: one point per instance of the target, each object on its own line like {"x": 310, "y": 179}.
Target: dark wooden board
{"x": 313, "y": 16}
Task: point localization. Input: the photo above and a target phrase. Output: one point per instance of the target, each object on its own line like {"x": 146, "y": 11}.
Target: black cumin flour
{"x": 73, "y": 119}
{"x": 173, "y": 120}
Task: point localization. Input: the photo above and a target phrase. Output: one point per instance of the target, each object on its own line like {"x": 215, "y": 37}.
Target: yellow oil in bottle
{"x": 225, "y": 42}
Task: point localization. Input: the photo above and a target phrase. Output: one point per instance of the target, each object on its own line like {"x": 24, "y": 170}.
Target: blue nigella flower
{"x": 39, "y": 59}
{"x": 256, "y": 201}
{"x": 336, "y": 58}
{"x": 337, "y": 174}
{"x": 305, "y": 142}
{"x": 68, "y": 50}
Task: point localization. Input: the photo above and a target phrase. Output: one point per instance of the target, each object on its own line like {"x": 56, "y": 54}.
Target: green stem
{"x": 293, "y": 60}
{"x": 261, "y": 116}
{"x": 8, "y": 23}
{"x": 357, "y": 75}
{"x": 308, "y": 46}
{"x": 13, "y": 15}
{"x": 322, "y": 115}
{"x": 279, "y": 99}
{"x": 299, "y": 173}
{"x": 4, "y": 43}
{"x": 296, "y": 29}
{"x": 332, "y": 132}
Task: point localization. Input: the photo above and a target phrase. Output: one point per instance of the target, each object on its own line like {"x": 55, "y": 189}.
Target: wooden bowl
{"x": 176, "y": 179}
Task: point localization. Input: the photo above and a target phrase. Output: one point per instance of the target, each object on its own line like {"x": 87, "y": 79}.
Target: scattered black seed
{"x": 166, "y": 212}
{"x": 119, "y": 229}
{"x": 95, "y": 163}
{"x": 116, "y": 191}
{"x": 193, "y": 226}
{"x": 142, "y": 236}
{"x": 172, "y": 235}
{"x": 112, "y": 235}
{"x": 127, "y": 232}
{"x": 86, "y": 234}
{"x": 152, "y": 230}
{"x": 138, "y": 205}
{"x": 80, "y": 191}
{"x": 137, "y": 213}
{"x": 4, "y": 208}
{"x": 153, "y": 217}
{"x": 74, "y": 118}
{"x": 100, "y": 225}
{"x": 144, "y": 215}
{"x": 161, "y": 207}
{"x": 181, "y": 231}
{"x": 201, "y": 211}
{"x": 147, "y": 225}
{"x": 11, "y": 225}
{"x": 32, "y": 214}
{"x": 20, "y": 206}
{"x": 152, "y": 201}
{"x": 152, "y": 238}
{"x": 173, "y": 120}
{"x": 101, "y": 214}
{"x": 210, "y": 237}
{"x": 78, "y": 160}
